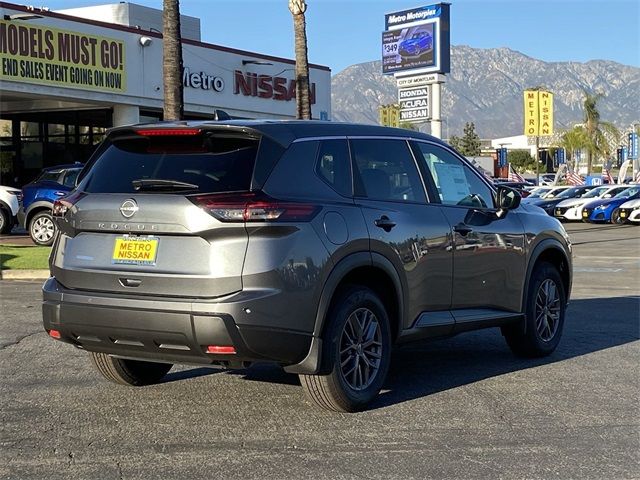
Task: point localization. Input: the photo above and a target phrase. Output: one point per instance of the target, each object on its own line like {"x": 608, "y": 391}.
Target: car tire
{"x": 544, "y": 315}
{"x": 134, "y": 373}
{"x": 357, "y": 353}
{"x": 42, "y": 228}
{"x": 616, "y": 218}
{"x": 5, "y": 221}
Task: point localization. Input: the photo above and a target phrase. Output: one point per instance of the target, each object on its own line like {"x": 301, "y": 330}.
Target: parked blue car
{"x": 417, "y": 44}
{"x": 38, "y": 197}
{"x": 600, "y": 210}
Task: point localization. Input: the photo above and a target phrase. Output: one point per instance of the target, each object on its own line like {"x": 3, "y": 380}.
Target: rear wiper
{"x": 161, "y": 184}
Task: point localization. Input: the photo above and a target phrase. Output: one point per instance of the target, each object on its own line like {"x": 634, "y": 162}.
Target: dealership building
{"x": 67, "y": 76}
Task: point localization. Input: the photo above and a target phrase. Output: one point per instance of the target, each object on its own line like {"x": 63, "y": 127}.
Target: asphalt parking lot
{"x": 457, "y": 408}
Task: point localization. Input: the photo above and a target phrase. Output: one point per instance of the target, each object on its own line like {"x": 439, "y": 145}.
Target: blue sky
{"x": 345, "y": 32}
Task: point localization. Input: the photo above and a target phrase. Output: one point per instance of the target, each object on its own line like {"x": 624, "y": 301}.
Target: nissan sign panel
{"x": 417, "y": 40}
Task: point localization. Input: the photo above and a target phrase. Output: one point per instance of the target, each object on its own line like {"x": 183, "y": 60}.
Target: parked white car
{"x": 545, "y": 193}
{"x": 627, "y": 212}
{"x": 571, "y": 208}
{"x": 10, "y": 199}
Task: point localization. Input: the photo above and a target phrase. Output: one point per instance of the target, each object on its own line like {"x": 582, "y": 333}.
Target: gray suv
{"x": 313, "y": 245}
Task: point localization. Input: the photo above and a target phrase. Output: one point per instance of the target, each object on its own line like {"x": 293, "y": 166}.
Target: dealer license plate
{"x": 133, "y": 250}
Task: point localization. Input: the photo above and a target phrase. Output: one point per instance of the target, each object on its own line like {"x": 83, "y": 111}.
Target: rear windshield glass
{"x": 211, "y": 163}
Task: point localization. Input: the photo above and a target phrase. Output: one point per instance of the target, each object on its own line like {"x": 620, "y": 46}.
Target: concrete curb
{"x": 24, "y": 274}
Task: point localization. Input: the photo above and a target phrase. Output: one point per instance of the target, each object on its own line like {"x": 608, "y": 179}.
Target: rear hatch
{"x": 137, "y": 222}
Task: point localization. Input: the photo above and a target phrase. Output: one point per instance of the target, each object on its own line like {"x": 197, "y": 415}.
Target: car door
{"x": 489, "y": 255}
{"x": 403, "y": 227}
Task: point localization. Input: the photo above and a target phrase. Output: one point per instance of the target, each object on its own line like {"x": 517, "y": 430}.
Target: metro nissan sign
{"x": 251, "y": 84}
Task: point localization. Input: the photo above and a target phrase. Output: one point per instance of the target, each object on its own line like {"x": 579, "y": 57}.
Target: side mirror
{"x": 507, "y": 198}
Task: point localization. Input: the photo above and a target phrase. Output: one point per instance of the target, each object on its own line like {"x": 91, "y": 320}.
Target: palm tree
{"x": 303, "y": 105}
{"x": 572, "y": 140}
{"x": 172, "y": 61}
{"x": 596, "y": 130}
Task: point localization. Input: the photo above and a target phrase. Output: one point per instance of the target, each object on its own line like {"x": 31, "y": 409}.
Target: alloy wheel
{"x": 360, "y": 349}
{"x": 547, "y": 310}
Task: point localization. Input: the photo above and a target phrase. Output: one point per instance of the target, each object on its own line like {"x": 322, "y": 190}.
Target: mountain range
{"x": 485, "y": 87}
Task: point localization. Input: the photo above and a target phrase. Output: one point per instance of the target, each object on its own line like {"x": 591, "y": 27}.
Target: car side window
{"x": 333, "y": 165}
{"x": 385, "y": 170}
{"x": 456, "y": 183}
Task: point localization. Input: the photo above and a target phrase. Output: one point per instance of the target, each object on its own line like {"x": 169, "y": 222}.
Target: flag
{"x": 606, "y": 177}
{"x": 515, "y": 176}
{"x": 574, "y": 179}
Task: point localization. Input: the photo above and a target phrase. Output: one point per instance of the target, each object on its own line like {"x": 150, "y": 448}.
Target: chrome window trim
{"x": 315, "y": 139}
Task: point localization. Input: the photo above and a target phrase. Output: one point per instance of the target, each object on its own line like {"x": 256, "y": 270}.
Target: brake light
{"x": 221, "y": 349}
{"x": 155, "y": 132}
{"x": 54, "y": 334}
{"x": 250, "y": 208}
{"x": 62, "y": 205}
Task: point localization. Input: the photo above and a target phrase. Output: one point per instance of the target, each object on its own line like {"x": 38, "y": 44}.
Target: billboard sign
{"x": 52, "y": 57}
{"x": 417, "y": 40}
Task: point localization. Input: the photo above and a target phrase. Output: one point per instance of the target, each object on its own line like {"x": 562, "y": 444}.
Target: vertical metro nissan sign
{"x": 538, "y": 113}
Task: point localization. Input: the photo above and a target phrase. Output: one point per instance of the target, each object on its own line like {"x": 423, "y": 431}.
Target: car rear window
{"x": 213, "y": 163}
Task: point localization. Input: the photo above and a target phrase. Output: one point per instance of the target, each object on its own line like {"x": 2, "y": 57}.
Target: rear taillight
{"x": 62, "y": 205}
{"x": 249, "y": 207}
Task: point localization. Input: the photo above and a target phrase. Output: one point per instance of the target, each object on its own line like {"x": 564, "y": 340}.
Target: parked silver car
{"x": 313, "y": 245}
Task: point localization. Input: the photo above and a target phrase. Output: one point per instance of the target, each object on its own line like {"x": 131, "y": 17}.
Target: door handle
{"x": 462, "y": 229}
{"x": 59, "y": 193}
{"x": 385, "y": 223}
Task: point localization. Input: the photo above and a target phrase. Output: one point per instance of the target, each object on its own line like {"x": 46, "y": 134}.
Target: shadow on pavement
{"x": 424, "y": 368}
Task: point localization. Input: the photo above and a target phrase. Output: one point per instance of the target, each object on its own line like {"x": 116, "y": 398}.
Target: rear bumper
{"x": 168, "y": 330}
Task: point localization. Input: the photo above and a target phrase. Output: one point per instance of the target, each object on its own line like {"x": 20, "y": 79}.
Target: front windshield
{"x": 596, "y": 192}
{"x": 568, "y": 193}
{"x": 538, "y": 193}
{"x": 629, "y": 192}
{"x": 553, "y": 193}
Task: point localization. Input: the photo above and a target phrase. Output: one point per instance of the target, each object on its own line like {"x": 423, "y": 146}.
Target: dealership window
{"x": 57, "y": 132}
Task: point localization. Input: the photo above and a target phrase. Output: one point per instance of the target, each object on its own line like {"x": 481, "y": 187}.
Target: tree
{"x": 572, "y": 140}
{"x": 172, "y": 61}
{"x": 303, "y": 104}
{"x": 456, "y": 142}
{"x": 521, "y": 160}
{"x": 596, "y": 130}
{"x": 469, "y": 144}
